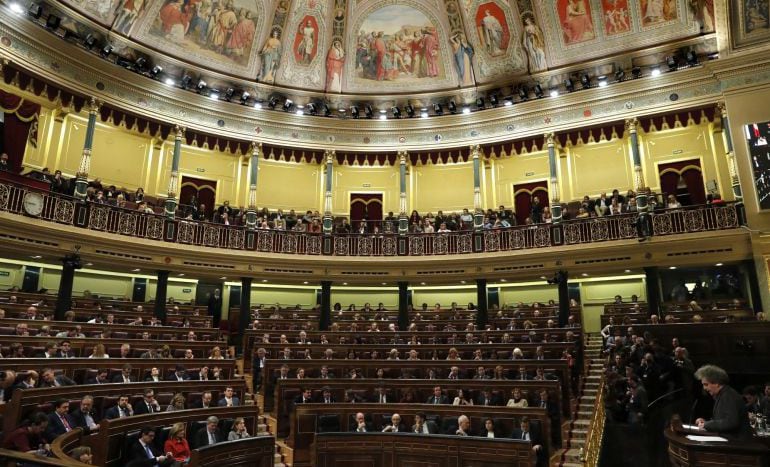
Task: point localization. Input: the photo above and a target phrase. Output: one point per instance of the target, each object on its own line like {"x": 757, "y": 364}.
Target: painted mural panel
{"x": 302, "y": 62}
{"x": 576, "y": 22}
{"x": 127, "y": 13}
{"x": 220, "y": 34}
{"x": 655, "y": 12}
{"x": 102, "y": 11}
{"x": 750, "y": 22}
{"x": 400, "y": 45}
{"x": 533, "y": 40}
{"x": 615, "y": 17}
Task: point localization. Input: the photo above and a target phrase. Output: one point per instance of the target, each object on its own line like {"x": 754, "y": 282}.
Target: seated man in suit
{"x": 101, "y": 377}
{"x": 362, "y": 425}
{"x": 85, "y": 416}
{"x": 154, "y": 376}
{"x": 121, "y": 410}
{"x": 395, "y": 425}
{"x": 209, "y": 435}
{"x": 142, "y": 453}
{"x": 305, "y": 397}
{"x": 59, "y": 421}
{"x": 204, "y": 402}
{"x": 423, "y": 426}
{"x": 729, "y": 415}
{"x": 49, "y": 380}
{"x": 180, "y": 374}
{"x": 327, "y": 397}
{"x": 148, "y": 404}
{"x": 125, "y": 375}
{"x": 381, "y": 396}
{"x": 534, "y": 437}
{"x": 229, "y": 400}
{"x": 488, "y": 398}
{"x": 463, "y": 426}
{"x": 438, "y": 397}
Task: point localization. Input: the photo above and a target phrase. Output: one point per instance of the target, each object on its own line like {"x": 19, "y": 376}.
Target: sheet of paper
{"x": 690, "y": 427}
{"x": 706, "y": 439}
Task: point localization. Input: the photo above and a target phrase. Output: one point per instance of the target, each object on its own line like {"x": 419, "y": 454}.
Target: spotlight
{"x": 52, "y": 22}
{"x": 538, "y": 91}
{"x": 258, "y": 105}
{"x": 311, "y": 109}
{"x": 423, "y": 113}
{"x": 354, "y": 111}
{"x": 300, "y": 111}
{"x": 692, "y": 58}
{"x": 452, "y": 107}
{"x": 383, "y": 116}
{"x": 245, "y": 98}
{"x": 396, "y": 112}
{"x": 327, "y": 110}
{"x": 214, "y": 94}
{"x": 106, "y": 51}
{"x": 466, "y": 110}
{"x": 672, "y": 63}
{"x": 438, "y": 109}
{"x": 368, "y": 111}
{"x": 480, "y": 102}
{"x": 602, "y": 81}
{"x": 636, "y": 72}
{"x": 16, "y": 8}
{"x": 569, "y": 85}
{"x": 229, "y": 94}
{"x": 89, "y": 42}
{"x": 200, "y": 86}
{"x": 35, "y": 11}
{"x": 493, "y": 100}
{"x": 508, "y": 101}
{"x": 272, "y": 102}
{"x": 140, "y": 63}
{"x": 585, "y": 81}
{"x": 156, "y": 70}
{"x": 287, "y": 105}
{"x": 409, "y": 110}
{"x": 186, "y": 80}
{"x": 554, "y": 93}
{"x": 655, "y": 71}
{"x": 620, "y": 75}
{"x": 523, "y": 92}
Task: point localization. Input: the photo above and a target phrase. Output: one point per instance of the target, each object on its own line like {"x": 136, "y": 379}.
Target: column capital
{"x": 93, "y": 105}
{"x": 402, "y": 156}
{"x": 631, "y": 124}
{"x": 550, "y": 139}
{"x": 256, "y": 148}
{"x": 329, "y": 155}
{"x": 722, "y": 107}
{"x": 475, "y": 151}
{"x": 179, "y": 131}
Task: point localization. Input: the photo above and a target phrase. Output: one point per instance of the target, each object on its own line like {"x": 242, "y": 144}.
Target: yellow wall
{"x": 510, "y": 295}
{"x": 443, "y": 187}
{"x": 517, "y": 170}
{"x": 461, "y": 295}
{"x": 355, "y": 179}
{"x": 594, "y": 294}
{"x": 14, "y": 277}
{"x": 269, "y": 296}
{"x": 288, "y": 185}
{"x": 614, "y": 160}
{"x": 345, "y": 297}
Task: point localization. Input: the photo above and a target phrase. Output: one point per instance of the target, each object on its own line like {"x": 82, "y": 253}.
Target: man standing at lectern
{"x": 729, "y": 416}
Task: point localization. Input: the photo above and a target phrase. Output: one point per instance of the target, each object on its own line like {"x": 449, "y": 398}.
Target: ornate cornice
{"x": 46, "y": 55}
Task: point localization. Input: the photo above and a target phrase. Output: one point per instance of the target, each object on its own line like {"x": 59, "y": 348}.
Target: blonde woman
{"x": 99, "y": 352}
{"x": 239, "y": 430}
{"x": 517, "y": 400}
{"x": 176, "y": 444}
{"x": 216, "y": 354}
{"x": 178, "y": 402}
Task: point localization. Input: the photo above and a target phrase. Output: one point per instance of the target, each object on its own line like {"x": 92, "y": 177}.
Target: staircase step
{"x": 572, "y": 455}
{"x": 581, "y": 422}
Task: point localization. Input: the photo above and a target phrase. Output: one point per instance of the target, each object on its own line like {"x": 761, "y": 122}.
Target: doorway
{"x": 365, "y": 207}
{"x": 522, "y": 198}
{"x": 197, "y": 191}
{"x": 684, "y": 180}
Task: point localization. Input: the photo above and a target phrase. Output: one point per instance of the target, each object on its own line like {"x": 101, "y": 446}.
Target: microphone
{"x": 692, "y": 410}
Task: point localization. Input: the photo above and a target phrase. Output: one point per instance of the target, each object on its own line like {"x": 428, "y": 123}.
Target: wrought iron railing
{"x": 62, "y": 209}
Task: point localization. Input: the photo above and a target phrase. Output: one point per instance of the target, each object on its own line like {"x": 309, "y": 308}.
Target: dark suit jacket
{"x": 119, "y": 379}
{"x": 223, "y": 403}
{"x": 432, "y": 427}
{"x": 61, "y": 379}
{"x": 729, "y": 416}
{"x": 401, "y": 428}
{"x": 172, "y": 377}
{"x": 136, "y": 456}
{"x": 199, "y": 404}
{"x": 534, "y": 435}
{"x": 79, "y": 419}
{"x": 354, "y": 427}
{"x": 140, "y": 408}
{"x": 298, "y": 400}
{"x": 201, "y": 438}
{"x": 112, "y": 413}
{"x": 94, "y": 381}
{"x": 56, "y": 427}
{"x": 493, "y": 400}
{"x": 442, "y": 400}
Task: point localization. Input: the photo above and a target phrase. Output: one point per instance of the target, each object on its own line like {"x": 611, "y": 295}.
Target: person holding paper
{"x": 729, "y": 416}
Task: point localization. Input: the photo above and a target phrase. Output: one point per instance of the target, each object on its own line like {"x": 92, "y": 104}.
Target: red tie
{"x": 64, "y": 422}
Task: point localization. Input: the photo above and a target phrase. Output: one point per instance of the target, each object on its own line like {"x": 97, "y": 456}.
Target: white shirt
{"x": 490, "y": 434}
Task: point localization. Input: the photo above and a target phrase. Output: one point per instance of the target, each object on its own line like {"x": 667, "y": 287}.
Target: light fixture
{"x": 89, "y": 42}
{"x": 229, "y": 93}
{"x": 396, "y": 112}
{"x": 258, "y": 105}
{"x": 170, "y": 81}
{"x": 692, "y": 58}
{"x": 493, "y": 100}
{"x": 384, "y": 283}
{"x": 35, "y": 10}
{"x": 245, "y": 98}
{"x": 538, "y": 91}
{"x": 223, "y": 278}
{"x": 523, "y": 92}
{"x": 140, "y": 63}
{"x": 466, "y": 110}
{"x": 156, "y": 70}
{"x": 36, "y": 257}
{"x": 287, "y": 105}
{"x": 508, "y": 101}
{"x": 311, "y": 109}
{"x": 480, "y": 103}
{"x": 200, "y": 86}
{"x": 300, "y": 111}
{"x": 627, "y": 271}
{"x": 672, "y": 62}
{"x": 327, "y": 111}
{"x": 422, "y": 283}
{"x": 569, "y": 85}
{"x": 620, "y": 75}
{"x": 718, "y": 264}
{"x": 89, "y": 264}
{"x": 672, "y": 267}
{"x": 344, "y": 283}
{"x": 181, "y": 274}
{"x": 655, "y": 72}
{"x": 409, "y": 110}
{"x": 554, "y": 92}
{"x": 305, "y": 282}
{"x": 17, "y": 8}
{"x": 503, "y": 280}
{"x": 423, "y": 113}
{"x": 186, "y": 80}
{"x": 106, "y": 51}
{"x": 585, "y": 274}
{"x": 585, "y": 81}
{"x": 264, "y": 280}
{"x": 438, "y": 109}
{"x": 272, "y": 102}
{"x": 354, "y": 111}
{"x": 136, "y": 270}
{"x": 452, "y": 107}
{"x": 602, "y": 81}
{"x": 462, "y": 282}
{"x": 368, "y": 111}
{"x": 214, "y": 94}
{"x": 383, "y": 117}
{"x": 636, "y": 72}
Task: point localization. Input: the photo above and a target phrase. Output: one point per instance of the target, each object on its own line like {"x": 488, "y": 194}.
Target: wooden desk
{"x": 258, "y": 451}
{"x": 304, "y": 423}
{"x": 82, "y": 347}
{"x": 683, "y": 452}
{"x": 169, "y": 332}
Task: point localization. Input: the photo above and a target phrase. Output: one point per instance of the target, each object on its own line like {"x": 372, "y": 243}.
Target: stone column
{"x": 642, "y": 203}
{"x": 731, "y": 164}
{"x": 481, "y": 303}
{"x": 161, "y": 296}
{"x": 251, "y": 212}
{"x": 553, "y": 162}
{"x": 326, "y": 306}
{"x": 652, "y": 282}
{"x": 328, "y": 221}
{"x": 244, "y": 317}
{"x": 478, "y": 213}
{"x": 403, "y": 306}
{"x": 403, "y": 219}
{"x": 173, "y": 181}
{"x": 81, "y": 180}
{"x": 564, "y": 311}
{"x": 70, "y": 264}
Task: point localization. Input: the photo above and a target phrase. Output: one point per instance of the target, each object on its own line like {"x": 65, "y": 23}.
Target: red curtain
{"x": 690, "y": 172}
{"x": 204, "y": 191}
{"x": 20, "y": 117}
{"x": 365, "y": 206}
{"x": 522, "y": 198}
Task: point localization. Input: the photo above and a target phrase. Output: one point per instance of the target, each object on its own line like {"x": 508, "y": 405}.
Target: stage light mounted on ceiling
{"x": 395, "y": 111}
{"x": 438, "y": 109}
{"x": 354, "y": 111}
{"x": 140, "y": 63}
{"x": 636, "y": 72}
{"x": 452, "y": 107}
{"x": 229, "y": 93}
{"x": 17, "y": 8}
{"x": 539, "y": 91}
{"x": 508, "y": 101}
{"x": 602, "y": 80}
{"x": 585, "y": 81}
{"x": 692, "y": 58}
{"x": 655, "y": 72}
{"x": 554, "y": 92}
{"x": 620, "y": 75}
{"x": 672, "y": 63}
{"x": 245, "y": 98}
{"x": 368, "y": 111}
{"x": 409, "y": 110}
{"x": 89, "y": 42}
{"x": 493, "y": 100}
{"x": 423, "y": 113}
{"x": 201, "y": 86}
{"x": 106, "y": 51}
{"x": 214, "y": 94}
{"x": 523, "y": 93}
{"x": 186, "y": 80}
{"x": 287, "y": 105}
{"x": 569, "y": 85}
{"x": 272, "y": 102}
{"x": 35, "y": 10}
{"x": 466, "y": 110}
{"x": 327, "y": 111}
{"x": 311, "y": 109}
{"x": 156, "y": 70}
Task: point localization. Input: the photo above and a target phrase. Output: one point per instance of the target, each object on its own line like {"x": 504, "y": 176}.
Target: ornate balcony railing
{"x": 25, "y": 200}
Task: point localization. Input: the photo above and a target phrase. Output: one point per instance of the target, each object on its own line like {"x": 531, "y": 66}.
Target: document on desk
{"x": 706, "y": 439}
{"x": 690, "y": 427}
